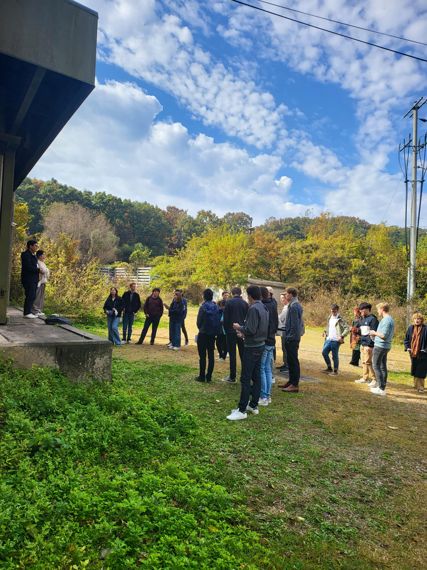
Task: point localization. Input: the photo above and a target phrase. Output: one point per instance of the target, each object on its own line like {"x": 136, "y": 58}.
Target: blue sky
{"x": 211, "y": 105}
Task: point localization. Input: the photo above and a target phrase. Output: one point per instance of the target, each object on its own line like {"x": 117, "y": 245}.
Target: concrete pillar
{"x": 7, "y": 170}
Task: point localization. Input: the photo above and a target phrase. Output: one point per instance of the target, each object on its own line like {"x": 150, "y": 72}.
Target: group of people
{"x": 34, "y": 276}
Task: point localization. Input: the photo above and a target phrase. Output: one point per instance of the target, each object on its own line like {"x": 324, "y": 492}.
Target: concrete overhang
{"x": 47, "y": 69}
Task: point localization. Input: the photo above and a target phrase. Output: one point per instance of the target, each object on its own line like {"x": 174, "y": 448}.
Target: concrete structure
{"x": 277, "y": 287}
{"x": 77, "y": 354}
{"x": 47, "y": 69}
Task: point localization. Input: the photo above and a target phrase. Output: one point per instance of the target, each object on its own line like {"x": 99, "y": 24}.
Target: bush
{"x": 95, "y": 475}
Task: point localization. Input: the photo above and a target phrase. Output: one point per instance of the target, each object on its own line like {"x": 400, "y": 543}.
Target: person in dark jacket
{"x": 235, "y": 311}
{"x": 113, "y": 308}
{"x": 368, "y": 321}
{"x": 355, "y": 337}
{"x": 416, "y": 345}
{"x": 131, "y": 305}
{"x": 255, "y": 332}
{"x": 270, "y": 344}
{"x": 177, "y": 314}
{"x": 29, "y": 276}
{"x": 293, "y": 329}
{"x": 208, "y": 323}
{"x": 221, "y": 339}
{"x": 153, "y": 310}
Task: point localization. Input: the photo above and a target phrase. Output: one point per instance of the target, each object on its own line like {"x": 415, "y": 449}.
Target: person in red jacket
{"x": 153, "y": 309}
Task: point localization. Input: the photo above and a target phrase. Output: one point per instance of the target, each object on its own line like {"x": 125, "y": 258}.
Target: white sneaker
{"x": 254, "y": 411}
{"x": 273, "y": 380}
{"x": 169, "y": 345}
{"x": 175, "y": 347}
{"x": 378, "y": 392}
{"x": 269, "y": 400}
{"x": 360, "y": 381}
{"x": 40, "y": 314}
{"x": 30, "y": 316}
{"x": 372, "y": 384}
{"x": 263, "y": 402}
{"x": 237, "y": 415}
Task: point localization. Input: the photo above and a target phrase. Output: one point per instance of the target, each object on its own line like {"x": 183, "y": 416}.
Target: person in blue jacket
{"x": 208, "y": 323}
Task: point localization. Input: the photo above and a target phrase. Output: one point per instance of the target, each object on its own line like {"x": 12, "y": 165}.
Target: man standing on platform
{"x": 29, "y": 277}
{"x": 131, "y": 305}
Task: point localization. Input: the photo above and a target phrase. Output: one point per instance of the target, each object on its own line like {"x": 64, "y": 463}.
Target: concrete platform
{"x": 77, "y": 354}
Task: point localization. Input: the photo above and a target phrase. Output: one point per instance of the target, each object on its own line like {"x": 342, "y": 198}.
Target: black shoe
{"x": 198, "y": 379}
{"x": 139, "y": 342}
{"x": 229, "y": 380}
{"x": 283, "y": 369}
{"x": 208, "y": 380}
{"x": 327, "y": 370}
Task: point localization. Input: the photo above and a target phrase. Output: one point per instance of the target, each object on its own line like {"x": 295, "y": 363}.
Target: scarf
{"x": 416, "y": 340}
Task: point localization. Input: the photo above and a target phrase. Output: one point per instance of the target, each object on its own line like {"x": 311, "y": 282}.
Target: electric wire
{"x": 423, "y": 168}
{"x": 329, "y": 31}
{"x": 404, "y": 149}
{"x": 343, "y": 23}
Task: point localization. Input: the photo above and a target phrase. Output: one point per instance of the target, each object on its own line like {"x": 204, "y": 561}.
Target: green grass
{"x": 146, "y": 472}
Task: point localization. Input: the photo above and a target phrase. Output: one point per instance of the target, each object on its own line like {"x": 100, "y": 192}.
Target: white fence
{"x": 141, "y": 276}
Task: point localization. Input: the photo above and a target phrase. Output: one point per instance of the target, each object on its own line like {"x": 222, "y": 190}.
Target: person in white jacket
{"x": 44, "y": 275}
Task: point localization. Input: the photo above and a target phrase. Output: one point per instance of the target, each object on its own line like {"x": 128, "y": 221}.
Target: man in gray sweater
{"x": 255, "y": 331}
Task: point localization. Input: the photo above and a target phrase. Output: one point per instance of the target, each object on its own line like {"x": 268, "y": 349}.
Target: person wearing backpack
{"x": 208, "y": 323}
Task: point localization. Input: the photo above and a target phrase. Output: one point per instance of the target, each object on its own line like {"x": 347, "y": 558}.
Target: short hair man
{"x": 368, "y": 322}
{"x": 153, "y": 310}
{"x": 255, "y": 331}
{"x": 293, "y": 330}
{"x": 131, "y": 305}
{"x": 208, "y": 323}
{"x": 235, "y": 311}
{"x": 382, "y": 344}
{"x": 29, "y": 276}
{"x": 336, "y": 330}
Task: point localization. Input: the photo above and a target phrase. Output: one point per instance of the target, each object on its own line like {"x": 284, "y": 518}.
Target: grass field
{"x": 147, "y": 472}
{"x": 333, "y": 476}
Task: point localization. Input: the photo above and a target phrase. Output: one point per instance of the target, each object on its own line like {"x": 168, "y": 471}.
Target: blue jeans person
{"x": 128, "y": 319}
{"x": 266, "y": 371}
{"x": 113, "y": 329}
{"x": 379, "y": 364}
{"x": 175, "y": 330}
{"x": 331, "y": 346}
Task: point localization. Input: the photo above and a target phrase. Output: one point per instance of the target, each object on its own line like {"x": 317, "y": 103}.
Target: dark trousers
{"x": 355, "y": 357}
{"x": 221, "y": 345}
{"x": 285, "y": 358}
{"x": 250, "y": 377}
{"x": 184, "y": 332}
{"x": 379, "y": 364}
{"x": 206, "y": 344}
{"x": 154, "y": 321}
{"x": 128, "y": 319}
{"x": 232, "y": 341}
{"x": 334, "y": 347}
{"x": 292, "y": 347}
{"x": 30, "y": 296}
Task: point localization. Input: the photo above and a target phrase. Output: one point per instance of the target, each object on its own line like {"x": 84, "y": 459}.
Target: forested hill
{"x": 164, "y": 231}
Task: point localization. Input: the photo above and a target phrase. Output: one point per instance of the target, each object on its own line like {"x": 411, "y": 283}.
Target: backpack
{"x": 57, "y": 320}
{"x": 212, "y": 320}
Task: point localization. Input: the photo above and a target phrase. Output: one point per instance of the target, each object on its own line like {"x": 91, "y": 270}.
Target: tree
{"x": 238, "y": 221}
{"x": 92, "y": 232}
{"x": 141, "y": 255}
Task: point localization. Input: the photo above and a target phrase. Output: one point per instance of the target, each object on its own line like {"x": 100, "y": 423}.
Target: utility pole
{"x": 414, "y": 213}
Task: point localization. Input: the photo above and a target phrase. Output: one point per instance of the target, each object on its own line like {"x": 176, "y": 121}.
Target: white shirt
{"x": 332, "y": 333}
{"x": 44, "y": 273}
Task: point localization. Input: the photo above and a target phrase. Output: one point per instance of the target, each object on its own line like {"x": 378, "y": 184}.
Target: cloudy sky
{"x": 207, "y": 104}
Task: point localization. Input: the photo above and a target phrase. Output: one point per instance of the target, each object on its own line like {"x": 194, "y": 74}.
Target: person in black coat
{"x": 29, "y": 276}
{"x": 113, "y": 308}
{"x": 416, "y": 345}
{"x": 235, "y": 311}
{"x": 131, "y": 305}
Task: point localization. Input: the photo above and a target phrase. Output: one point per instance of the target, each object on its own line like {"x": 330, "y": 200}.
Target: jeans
{"x": 175, "y": 333}
{"x": 154, "y": 321}
{"x": 30, "y": 296}
{"x": 250, "y": 377}
{"x": 113, "y": 329}
{"x": 128, "y": 319}
{"x": 331, "y": 346}
{"x": 379, "y": 363}
{"x": 266, "y": 371}
{"x": 206, "y": 344}
{"x": 232, "y": 341}
{"x": 292, "y": 347}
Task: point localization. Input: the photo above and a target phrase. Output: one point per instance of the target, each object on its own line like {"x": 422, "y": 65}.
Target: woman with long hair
{"x": 113, "y": 308}
{"x": 416, "y": 345}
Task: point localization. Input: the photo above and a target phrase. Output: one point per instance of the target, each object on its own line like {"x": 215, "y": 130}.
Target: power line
{"x": 343, "y": 23}
{"x": 329, "y": 31}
